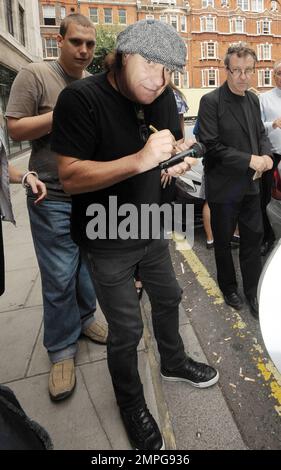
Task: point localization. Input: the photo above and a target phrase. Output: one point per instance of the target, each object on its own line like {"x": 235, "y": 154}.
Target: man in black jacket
{"x": 238, "y": 152}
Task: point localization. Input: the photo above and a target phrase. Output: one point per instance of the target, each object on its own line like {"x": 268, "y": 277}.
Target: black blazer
{"x": 224, "y": 132}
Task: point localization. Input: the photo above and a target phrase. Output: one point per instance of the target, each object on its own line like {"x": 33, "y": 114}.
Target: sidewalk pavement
{"x": 89, "y": 420}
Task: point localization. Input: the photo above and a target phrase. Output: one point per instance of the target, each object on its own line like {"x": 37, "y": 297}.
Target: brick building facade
{"x": 207, "y": 26}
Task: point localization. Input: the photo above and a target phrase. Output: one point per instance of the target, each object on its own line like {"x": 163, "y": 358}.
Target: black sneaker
{"x": 235, "y": 242}
{"x": 195, "y": 373}
{"x": 142, "y": 429}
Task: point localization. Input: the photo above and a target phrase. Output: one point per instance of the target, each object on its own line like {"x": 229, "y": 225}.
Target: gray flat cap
{"x": 154, "y": 40}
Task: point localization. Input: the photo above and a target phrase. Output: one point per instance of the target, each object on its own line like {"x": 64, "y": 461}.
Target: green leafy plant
{"x": 106, "y": 39}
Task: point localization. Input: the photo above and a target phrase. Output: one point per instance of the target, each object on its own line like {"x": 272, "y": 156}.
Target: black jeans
{"x": 224, "y": 218}
{"x": 113, "y": 276}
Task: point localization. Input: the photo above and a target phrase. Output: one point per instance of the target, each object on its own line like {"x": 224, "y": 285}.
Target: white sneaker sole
{"x": 162, "y": 448}
{"x": 211, "y": 382}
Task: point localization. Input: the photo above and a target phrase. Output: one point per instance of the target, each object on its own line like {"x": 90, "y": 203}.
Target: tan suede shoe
{"x": 62, "y": 379}
{"x": 96, "y": 332}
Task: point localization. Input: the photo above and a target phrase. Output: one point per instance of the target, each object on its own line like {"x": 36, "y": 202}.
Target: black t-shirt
{"x": 92, "y": 121}
{"x": 251, "y": 125}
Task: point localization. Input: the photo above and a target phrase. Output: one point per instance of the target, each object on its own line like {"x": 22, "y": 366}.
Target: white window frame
{"x": 106, "y": 16}
{"x": 185, "y": 79}
{"x": 125, "y": 11}
{"x": 94, "y": 17}
{"x": 261, "y": 26}
{"x": 204, "y": 23}
{"x": 273, "y": 5}
{"x": 262, "y": 78}
{"x": 164, "y": 2}
{"x": 211, "y": 50}
{"x": 46, "y": 48}
{"x": 205, "y": 47}
{"x": 264, "y": 51}
{"x": 62, "y": 12}
{"x": 206, "y": 77}
{"x": 163, "y": 18}
{"x": 244, "y": 5}
{"x": 233, "y": 25}
{"x": 206, "y": 3}
{"x": 174, "y": 21}
{"x": 49, "y": 12}
{"x": 183, "y": 24}
{"x": 257, "y": 5}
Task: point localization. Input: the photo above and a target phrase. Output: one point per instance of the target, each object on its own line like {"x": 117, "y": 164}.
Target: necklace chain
{"x": 116, "y": 83}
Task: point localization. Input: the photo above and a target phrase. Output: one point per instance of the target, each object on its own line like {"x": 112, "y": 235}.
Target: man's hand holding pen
{"x": 159, "y": 147}
{"x": 179, "y": 146}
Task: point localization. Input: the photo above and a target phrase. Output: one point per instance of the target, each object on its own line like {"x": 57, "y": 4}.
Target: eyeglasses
{"x": 237, "y": 72}
{"x": 143, "y": 130}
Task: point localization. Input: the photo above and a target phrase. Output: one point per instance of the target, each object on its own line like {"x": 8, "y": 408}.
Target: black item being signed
{"x": 196, "y": 151}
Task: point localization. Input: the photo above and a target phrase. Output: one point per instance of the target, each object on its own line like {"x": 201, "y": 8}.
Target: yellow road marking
{"x": 200, "y": 271}
{"x": 266, "y": 368}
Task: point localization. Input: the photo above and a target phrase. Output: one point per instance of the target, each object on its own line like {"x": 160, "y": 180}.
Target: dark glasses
{"x": 143, "y": 130}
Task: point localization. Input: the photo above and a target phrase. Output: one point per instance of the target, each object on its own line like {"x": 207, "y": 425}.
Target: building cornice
{"x": 110, "y": 2}
{"x": 237, "y": 11}
{"x": 17, "y": 48}
{"x": 163, "y": 8}
{"x": 221, "y": 33}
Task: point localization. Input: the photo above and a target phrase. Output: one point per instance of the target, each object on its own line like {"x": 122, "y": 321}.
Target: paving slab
{"x": 18, "y": 285}
{"x": 18, "y": 332}
{"x": 22, "y": 257}
{"x": 35, "y": 294}
{"x": 73, "y": 424}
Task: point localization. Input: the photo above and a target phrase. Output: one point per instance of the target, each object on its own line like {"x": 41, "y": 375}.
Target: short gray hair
{"x": 241, "y": 50}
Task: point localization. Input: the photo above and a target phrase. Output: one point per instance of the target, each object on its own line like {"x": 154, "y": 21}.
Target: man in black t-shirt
{"x": 109, "y": 163}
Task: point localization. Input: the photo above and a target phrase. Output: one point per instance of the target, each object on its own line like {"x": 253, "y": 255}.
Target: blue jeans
{"x": 69, "y": 298}
{"x": 113, "y": 275}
